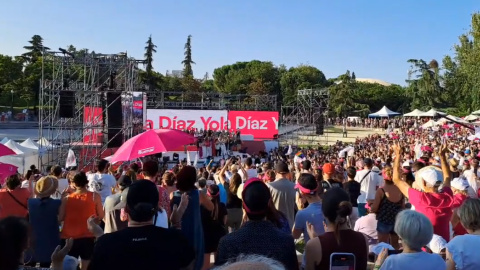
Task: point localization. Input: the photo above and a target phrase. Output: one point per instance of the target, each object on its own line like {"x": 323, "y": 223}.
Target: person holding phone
{"x": 338, "y": 237}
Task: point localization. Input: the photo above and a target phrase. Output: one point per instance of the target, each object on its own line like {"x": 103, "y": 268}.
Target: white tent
{"x": 29, "y": 143}
{"x": 476, "y": 112}
{"x": 429, "y": 124}
{"x": 44, "y": 142}
{"x": 414, "y": 113}
{"x": 471, "y": 117}
{"x": 432, "y": 113}
{"x": 384, "y": 112}
{"x": 24, "y": 156}
{"x": 4, "y": 140}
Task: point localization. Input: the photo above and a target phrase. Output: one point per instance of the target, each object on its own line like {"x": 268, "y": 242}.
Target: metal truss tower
{"x": 210, "y": 101}
{"x": 89, "y": 78}
{"x": 299, "y": 118}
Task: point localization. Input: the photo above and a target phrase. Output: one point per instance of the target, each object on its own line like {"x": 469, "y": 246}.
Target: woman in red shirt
{"x": 13, "y": 198}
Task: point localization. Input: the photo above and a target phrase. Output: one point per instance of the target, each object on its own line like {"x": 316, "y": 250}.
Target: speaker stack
{"x": 67, "y": 104}
{"x": 319, "y": 125}
{"x": 114, "y": 120}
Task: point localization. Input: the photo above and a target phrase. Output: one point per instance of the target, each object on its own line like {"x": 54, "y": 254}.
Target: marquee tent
{"x": 24, "y": 156}
{"x": 4, "y": 140}
{"x": 414, "y": 113}
{"x": 430, "y": 124}
{"x": 44, "y": 142}
{"x": 432, "y": 113}
{"x": 471, "y": 117}
{"x": 384, "y": 112}
{"x": 476, "y": 112}
{"x": 29, "y": 143}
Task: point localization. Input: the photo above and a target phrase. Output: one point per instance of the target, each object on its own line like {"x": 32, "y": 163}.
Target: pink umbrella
{"x": 6, "y": 170}
{"x": 151, "y": 142}
{"x": 5, "y": 151}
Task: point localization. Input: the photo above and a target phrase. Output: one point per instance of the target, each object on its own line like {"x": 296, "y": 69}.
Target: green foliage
{"x": 301, "y": 77}
{"x": 34, "y": 50}
{"x": 187, "y": 62}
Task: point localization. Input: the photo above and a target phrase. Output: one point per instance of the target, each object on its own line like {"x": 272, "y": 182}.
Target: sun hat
{"x": 46, "y": 186}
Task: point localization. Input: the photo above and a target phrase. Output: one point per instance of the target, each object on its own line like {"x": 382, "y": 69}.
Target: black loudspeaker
{"x": 115, "y": 137}
{"x": 67, "y": 104}
{"x": 114, "y": 120}
{"x": 319, "y": 125}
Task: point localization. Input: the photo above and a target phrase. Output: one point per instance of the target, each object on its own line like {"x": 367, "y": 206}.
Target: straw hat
{"x": 46, "y": 186}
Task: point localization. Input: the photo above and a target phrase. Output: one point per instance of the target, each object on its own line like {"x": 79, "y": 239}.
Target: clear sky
{"x": 373, "y": 38}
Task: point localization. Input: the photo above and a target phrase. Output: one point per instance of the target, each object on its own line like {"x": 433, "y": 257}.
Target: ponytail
{"x": 344, "y": 210}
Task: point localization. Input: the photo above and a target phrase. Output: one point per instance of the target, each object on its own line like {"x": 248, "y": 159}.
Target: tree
{"x": 150, "y": 49}
{"x": 35, "y": 49}
{"x": 342, "y": 97}
{"x": 300, "y": 77}
{"x": 187, "y": 62}
{"x": 425, "y": 88}
{"x": 10, "y": 70}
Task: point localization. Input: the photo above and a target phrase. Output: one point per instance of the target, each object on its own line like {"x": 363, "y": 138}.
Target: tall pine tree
{"x": 150, "y": 49}
{"x": 35, "y": 49}
{"x": 187, "y": 62}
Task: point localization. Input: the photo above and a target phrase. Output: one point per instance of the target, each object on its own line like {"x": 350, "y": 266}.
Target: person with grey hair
{"x": 462, "y": 251}
{"x": 416, "y": 232}
{"x": 254, "y": 261}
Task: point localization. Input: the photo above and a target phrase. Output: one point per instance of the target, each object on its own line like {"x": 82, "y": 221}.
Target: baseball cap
{"x": 142, "y": 200}
{"x": 307, "y": 184}
{"x": 460, "y": 183}
{"x": 437, "y": 244}
{"x": 282, "y": 168}
{"x": 256, "y": 196}
{"x": 328, "y": 168}
{"x": 431, "y": 176}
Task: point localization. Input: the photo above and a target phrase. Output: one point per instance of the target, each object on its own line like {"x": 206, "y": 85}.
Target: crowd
{"x": 405, "y": 200}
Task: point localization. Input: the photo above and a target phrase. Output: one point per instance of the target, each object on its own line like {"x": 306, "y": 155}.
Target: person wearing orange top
{"x": 75, "y": 210}
{"x": 13, "y": 198}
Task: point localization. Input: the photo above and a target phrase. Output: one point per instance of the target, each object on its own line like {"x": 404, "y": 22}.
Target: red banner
{"x": 92, "y": 123}
{"x": 262, "y": 125}
{"x": 138, "y": 104}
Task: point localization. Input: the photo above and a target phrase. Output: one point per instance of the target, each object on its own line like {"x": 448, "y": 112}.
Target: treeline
{"x": 451, "y": 85}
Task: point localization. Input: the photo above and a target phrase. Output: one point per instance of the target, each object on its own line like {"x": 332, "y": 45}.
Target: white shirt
{"x": 250, "y": 174}
{"x": 102, "y": 184}
{"x": 472, "y": 180}
{"x": 62, "y": 185}
{"x": 368, "y": 186}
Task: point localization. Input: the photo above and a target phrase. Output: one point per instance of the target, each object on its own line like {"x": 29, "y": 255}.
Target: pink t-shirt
{"x": 436, "y": 206}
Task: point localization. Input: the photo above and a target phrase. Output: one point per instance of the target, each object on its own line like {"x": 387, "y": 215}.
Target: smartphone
{"x": 393, "y": 252}
{"x": 342, "y": 261}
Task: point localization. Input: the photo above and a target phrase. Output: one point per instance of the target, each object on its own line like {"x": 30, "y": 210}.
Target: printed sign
{"x": 92, "y": 124}
{"x": 187, "y": 119}
{"x": 262, "y": 125}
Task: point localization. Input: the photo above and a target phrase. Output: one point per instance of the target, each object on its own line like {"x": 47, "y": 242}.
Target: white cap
{"x": 437, "y": 244}
{"x": 460, "y": 183}
{"x": 406, "y": 164}
{"x": 431, "y": 176}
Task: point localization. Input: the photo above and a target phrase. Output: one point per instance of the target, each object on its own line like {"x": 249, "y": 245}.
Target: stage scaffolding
{"x": 210, "y": 101}
{"x": 90, "y": 77}
{"x": 299, "y": 118}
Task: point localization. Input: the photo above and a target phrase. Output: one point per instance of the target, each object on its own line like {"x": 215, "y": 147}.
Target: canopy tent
{"x": 471, "y": 117}
{"x": 29, "y": 143}
{"x": 476, "y": 112}
{"x": 432, "y": 113}
{"x": 44, "y": 142}
{"x": 414, "y": 113}
{"x": 384, "y": 112}
{"x": 457, "y": 119}
{"x": 4, "y": 140}
{"x": 24, "y": 158}
{"x": 430, "y": 124}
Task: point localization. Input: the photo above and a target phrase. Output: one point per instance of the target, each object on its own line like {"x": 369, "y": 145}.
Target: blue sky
{"x": 373, "y": 38}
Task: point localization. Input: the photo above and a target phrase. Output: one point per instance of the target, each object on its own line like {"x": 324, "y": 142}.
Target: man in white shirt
{"x": 101, "y": 182}
{"x": 248, "y": 168}
{"x": 369, "y": 182}
{"x": 62, "y": 182}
